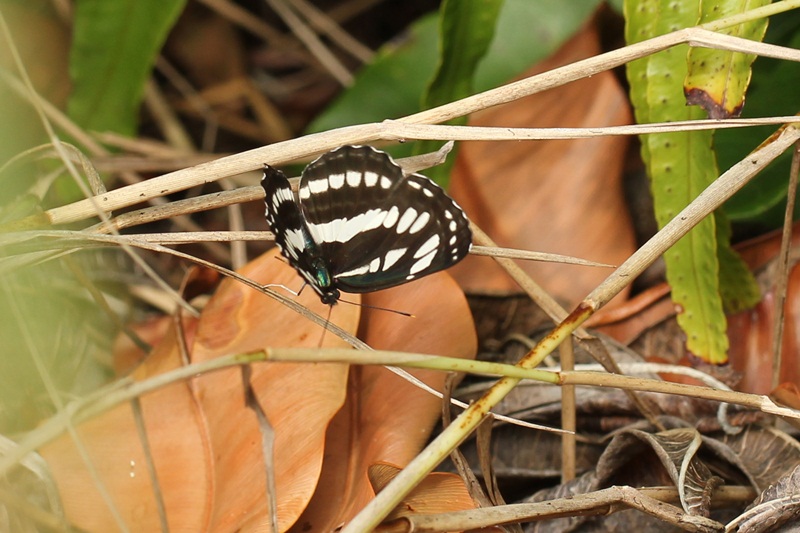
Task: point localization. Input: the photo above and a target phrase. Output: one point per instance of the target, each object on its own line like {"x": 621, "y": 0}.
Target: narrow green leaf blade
{"x": 114, "y": 47}
{"x": 466, "y": 31}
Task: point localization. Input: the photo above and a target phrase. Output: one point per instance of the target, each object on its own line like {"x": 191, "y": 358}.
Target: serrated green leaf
{"x": 466, "y": 29}
{"x": 114, "y": 46}
{"x": 680, "y": 165}
{"x": 717, "y": 79}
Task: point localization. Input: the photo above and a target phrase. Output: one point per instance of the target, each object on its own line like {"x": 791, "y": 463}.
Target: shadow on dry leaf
{"x": 331, "y": 422}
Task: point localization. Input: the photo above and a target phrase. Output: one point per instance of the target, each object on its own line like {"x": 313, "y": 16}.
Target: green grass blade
{"x": 466, "y": 29}
{"x": 114, "y": 46}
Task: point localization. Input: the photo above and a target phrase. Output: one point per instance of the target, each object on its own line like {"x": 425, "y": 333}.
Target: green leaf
{"x": 738, "y": 287}
{"x": 718, "y": 79}
{"x": 392, "y": 85}
{"x": 680, "y": 165}
{"x": 761, "y": 204}
{"x": 466, "y": 31}
{"x": 114, "y": 46}
{"x": 528, "y": 32}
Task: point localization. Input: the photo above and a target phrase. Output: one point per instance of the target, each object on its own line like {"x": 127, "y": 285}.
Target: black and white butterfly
{"x": 361, "y": 225}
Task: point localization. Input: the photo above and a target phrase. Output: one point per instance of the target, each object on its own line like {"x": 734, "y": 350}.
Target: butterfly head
{"x": 322, "y": 282}
{"x": 329, "y": 297}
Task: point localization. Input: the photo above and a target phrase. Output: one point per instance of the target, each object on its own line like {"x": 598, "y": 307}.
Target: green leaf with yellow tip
{"x": 717, "y": 79}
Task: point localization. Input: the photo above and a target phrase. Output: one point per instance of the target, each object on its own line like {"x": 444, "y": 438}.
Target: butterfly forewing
{"x": 283, "y": 215}
{"x": 287, "y": 223}
{"x": 376, "y": 227}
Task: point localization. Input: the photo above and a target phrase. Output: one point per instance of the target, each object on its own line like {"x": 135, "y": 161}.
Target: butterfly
{"x": 359, "y": 224}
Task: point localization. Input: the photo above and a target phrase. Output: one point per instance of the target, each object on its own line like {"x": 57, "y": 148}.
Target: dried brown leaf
{"x": 205, "y": 443}
{"x": 777, "y": 506}
{"x": 763, "y": 454}
{"x": 385, "y": 418}
{"x": 439, "y": 492}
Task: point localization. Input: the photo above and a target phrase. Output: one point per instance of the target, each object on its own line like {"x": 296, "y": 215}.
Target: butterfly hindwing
{"x": 283, "y": 215}
{"x": 424, "y": 236}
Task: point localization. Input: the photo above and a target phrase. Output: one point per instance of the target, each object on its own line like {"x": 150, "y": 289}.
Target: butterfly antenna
{"x": 403, "y": 313}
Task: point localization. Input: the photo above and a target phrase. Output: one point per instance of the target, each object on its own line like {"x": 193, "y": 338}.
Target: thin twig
{"x": 247, "y": 21}
{"x": 312, "y": 42}
{"x": 125, "y": 389}
{"x": 598, "y": 503}
{"x": 710, "y": 199}
{"x": 294, "y": 149}
{"x": 568, "y": 414}
{"x": 325, "y": 24}
{"x": 782, "y": 274}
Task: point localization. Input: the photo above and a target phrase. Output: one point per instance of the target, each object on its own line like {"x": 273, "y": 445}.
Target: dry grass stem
{"x": 782, "y": 275}
{"x": 294, "y": 149}
{"x": 125, "y": 389}
{"x": 312, "y": 42}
